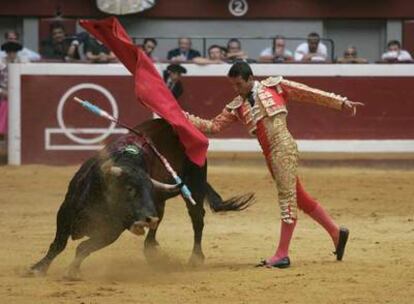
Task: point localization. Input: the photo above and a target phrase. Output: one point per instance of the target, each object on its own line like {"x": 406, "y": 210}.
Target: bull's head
{"x": 129, "y": 193}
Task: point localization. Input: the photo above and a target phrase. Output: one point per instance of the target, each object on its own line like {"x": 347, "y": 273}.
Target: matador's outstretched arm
{"x": 215, "y": 125}
{"x": 299, "y": 92}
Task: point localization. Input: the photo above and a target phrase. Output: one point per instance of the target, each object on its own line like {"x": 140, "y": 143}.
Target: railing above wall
{"x": 205, "y": 41}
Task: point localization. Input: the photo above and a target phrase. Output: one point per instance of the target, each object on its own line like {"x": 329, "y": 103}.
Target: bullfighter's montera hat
{"x": 176, "y": 68}
{"x": 11, "y": 46}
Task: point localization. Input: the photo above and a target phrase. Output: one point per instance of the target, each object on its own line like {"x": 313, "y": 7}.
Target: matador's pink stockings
{"x": 315, "y": 211}
{"x": 286, "y": 233}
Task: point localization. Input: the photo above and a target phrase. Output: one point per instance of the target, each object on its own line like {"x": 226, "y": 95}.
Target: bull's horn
{"x": 106, "y": 166}
{"x": 164, "y": 187}
{"x": 116, "y": 171}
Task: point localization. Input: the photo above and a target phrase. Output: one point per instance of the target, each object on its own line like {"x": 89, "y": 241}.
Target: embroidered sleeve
{"x": 296, "y": 91}
{"x": 215, "y": 125}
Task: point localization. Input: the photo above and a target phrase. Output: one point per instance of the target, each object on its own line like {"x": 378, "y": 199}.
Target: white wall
{"x": 394, "y": 30}
{"x": 31, "y": 33}
{"x": 368, "y": 36}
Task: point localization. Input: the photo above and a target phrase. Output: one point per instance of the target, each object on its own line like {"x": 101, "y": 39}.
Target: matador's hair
{"x": 240, "y": 68}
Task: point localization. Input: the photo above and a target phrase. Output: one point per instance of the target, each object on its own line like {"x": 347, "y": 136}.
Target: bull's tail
{"x": 236, "y": 203}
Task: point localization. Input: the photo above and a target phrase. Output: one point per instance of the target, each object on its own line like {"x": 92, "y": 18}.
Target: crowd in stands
{"x": 61, "y": 47}
{"x": 313, "y": 50}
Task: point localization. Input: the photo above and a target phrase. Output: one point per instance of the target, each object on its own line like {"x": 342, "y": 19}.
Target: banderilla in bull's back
{"x": 100, "y": 112}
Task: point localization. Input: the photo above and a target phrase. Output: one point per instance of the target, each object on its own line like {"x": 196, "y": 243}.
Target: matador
{"x": 261, "y": 107}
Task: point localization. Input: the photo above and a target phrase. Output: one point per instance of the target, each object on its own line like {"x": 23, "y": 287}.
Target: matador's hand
{"x": 351, "y": 107}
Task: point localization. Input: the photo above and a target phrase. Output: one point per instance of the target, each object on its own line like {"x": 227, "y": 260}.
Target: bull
{"x": 125, "y": 186}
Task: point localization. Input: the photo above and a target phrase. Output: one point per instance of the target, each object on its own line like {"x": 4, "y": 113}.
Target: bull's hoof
{"x": 73, "y": 275}
{"x": 196, "y": 260}
{"x": 151, "y": 244}
{"x": 151, "y": 252}
{"x": 154, "y": 256}
{"x": 35, "y": 272}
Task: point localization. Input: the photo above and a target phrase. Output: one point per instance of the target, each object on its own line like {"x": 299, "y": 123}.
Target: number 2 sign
{"x": 238, "y": 8}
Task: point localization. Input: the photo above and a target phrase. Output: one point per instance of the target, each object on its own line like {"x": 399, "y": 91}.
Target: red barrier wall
{"x": 388, "y": 111}
{"x": 37, "y": 134}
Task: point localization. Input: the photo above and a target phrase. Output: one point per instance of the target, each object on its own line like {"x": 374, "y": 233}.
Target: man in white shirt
{"x": 24, "y": 54}
{"x": 394, "y": 53}
{"x": 276, "y": 53}
{"x": 311, "y": 51}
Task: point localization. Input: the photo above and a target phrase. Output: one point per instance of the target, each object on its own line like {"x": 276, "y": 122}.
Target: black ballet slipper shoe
{"x": 282, "y": 263}
{"x": 343, "y": 239}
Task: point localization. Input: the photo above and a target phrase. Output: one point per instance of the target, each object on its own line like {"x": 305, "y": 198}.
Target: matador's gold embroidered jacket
{"x": 266, "y": 119}
{"x": 272, "y": 93}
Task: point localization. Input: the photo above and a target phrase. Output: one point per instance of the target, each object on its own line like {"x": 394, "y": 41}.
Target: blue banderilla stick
{"x": 98, "y": 111}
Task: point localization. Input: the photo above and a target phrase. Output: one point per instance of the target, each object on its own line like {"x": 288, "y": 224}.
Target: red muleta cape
{"x": 150, "y": 89}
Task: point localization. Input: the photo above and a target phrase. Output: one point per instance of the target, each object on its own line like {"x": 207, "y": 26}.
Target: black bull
{"x": 125, "y": 186}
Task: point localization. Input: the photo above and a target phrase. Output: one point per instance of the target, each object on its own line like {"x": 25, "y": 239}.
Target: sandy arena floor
{"x": 376, "y": 204}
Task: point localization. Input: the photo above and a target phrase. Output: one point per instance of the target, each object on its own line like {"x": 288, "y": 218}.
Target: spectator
{"x": 311, "y": 51}
{"x": 172, "y": 77}
{"x": 3, "y": 99}
{"x": 24, "y": 53}
{"x": 148, "y": 46}
{"x": 276, "y": 53}
{"x": 394, "y": 53}
{"x": 235, "y": 52}
{"x": 3, "y": 81}
{"x": 351, "y": 56}
{"x": 58, "y": 46}
{"x": 184, "y": 52}
{"x": 11, "y": 49}
{"x": 216, "y": 55}
{"x": 96, "y": 52}
{"x": 78, "y": 44}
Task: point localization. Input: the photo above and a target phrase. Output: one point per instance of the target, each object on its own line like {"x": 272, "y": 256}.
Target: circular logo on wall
{"x": 238, "y": 7}
{"x": 69, "y": 93}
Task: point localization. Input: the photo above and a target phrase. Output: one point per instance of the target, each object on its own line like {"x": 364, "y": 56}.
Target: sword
{"x": 102, "y": 113}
